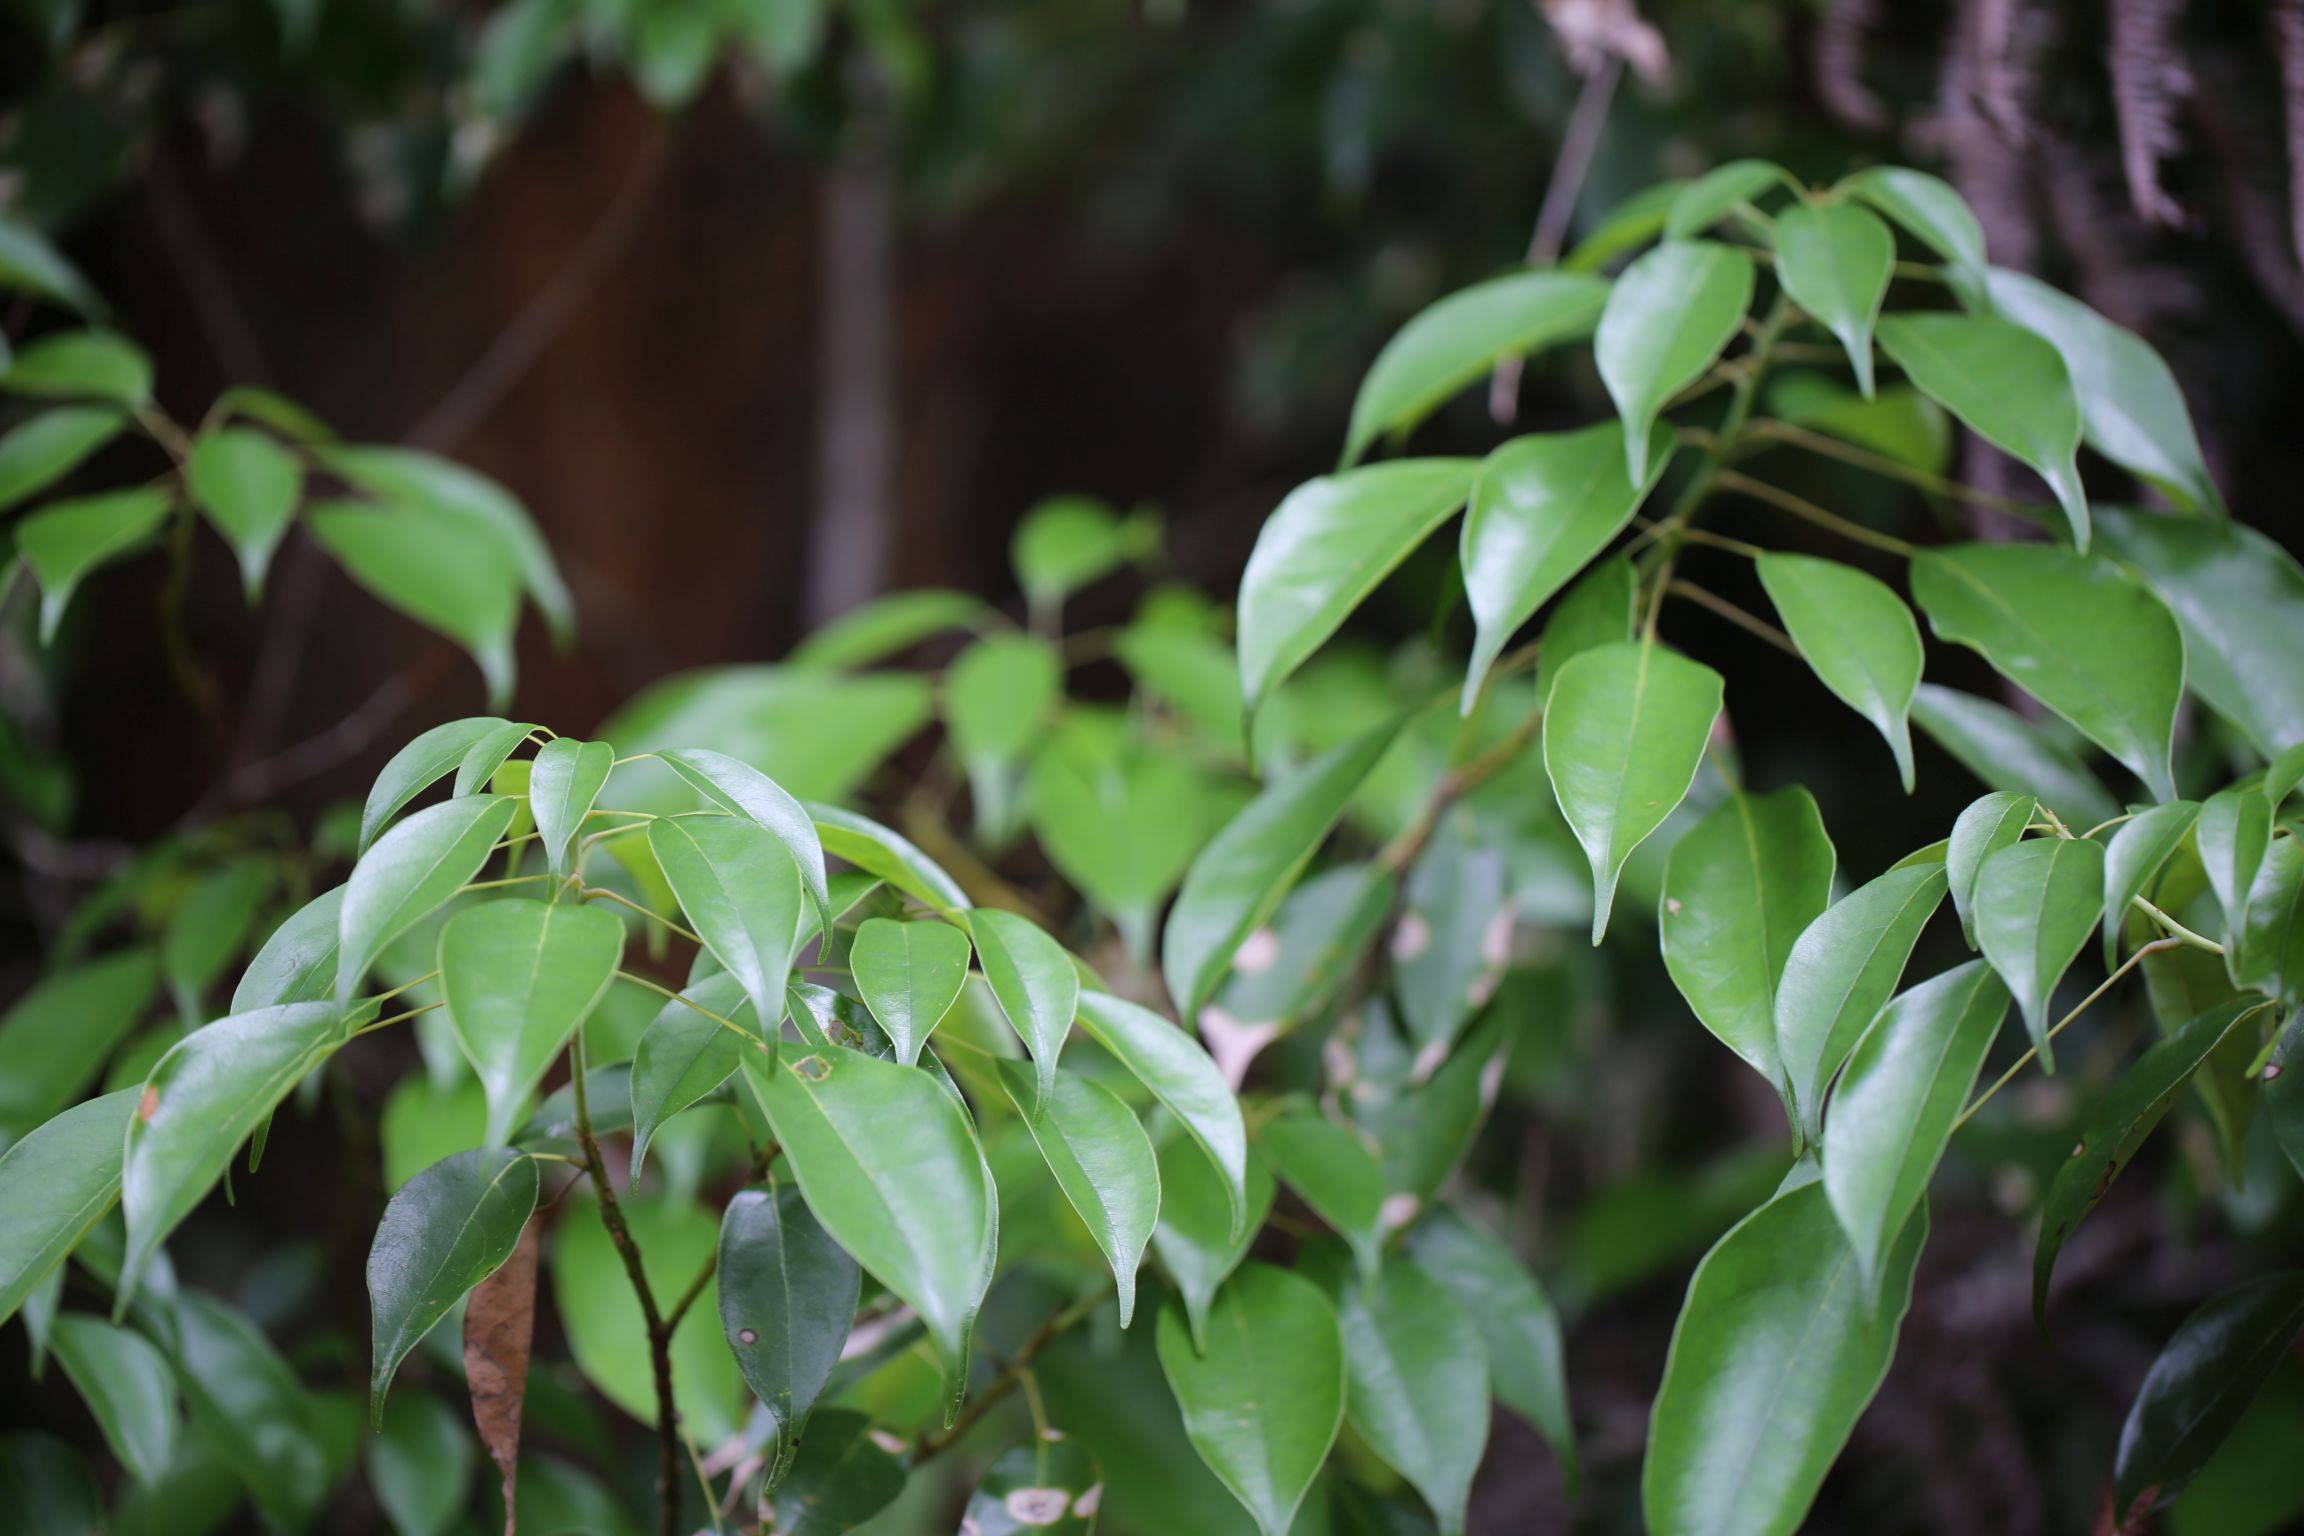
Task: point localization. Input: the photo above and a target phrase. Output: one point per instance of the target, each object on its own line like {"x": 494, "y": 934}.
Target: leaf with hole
{"x": 787, "y": 1299}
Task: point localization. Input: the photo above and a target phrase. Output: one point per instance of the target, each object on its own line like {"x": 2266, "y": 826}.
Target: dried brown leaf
{"x": 499, "y": 1326}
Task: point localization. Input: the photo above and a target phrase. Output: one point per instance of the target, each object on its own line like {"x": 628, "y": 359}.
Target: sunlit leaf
{"x": 2036, "y": 904}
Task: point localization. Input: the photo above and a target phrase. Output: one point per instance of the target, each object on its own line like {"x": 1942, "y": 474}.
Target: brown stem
{"x": 1801, "y": 507}
{"x": 1749, "y": 623}
{"x": 937, "y": 1442}
{"x": 1577, "y": 146}
{"x": 1453, "y": 785}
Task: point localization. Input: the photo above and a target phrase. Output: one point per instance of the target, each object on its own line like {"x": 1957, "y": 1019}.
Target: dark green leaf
{"x": 127, "y": 1385}
{"x": 1335, "y": 1173}
{"x": 566, "y": 779}
{"x": 435, "y": 569}
{"x": 2268, "y": 954}
{"x": 787, "y": 1298}
{"x": 252, "y": 1412}
{"x": 1842, "y": 970}
{"x": 1197, "y": 1238}
{"x": 911, "y": 975}
{"x": 1631, "y": 224}
{"x": 55, "y": 1184}
{"x": 410, "y": 871}
{"x": 740, "y": 887}
{"x": 1416, "y": 1372}
{"x": 2007, "y": 751}
{"x": 686, "y": 1054}
{"x": 1516, "y": 1320}
{"x": 2283, "y": 1094}
{"x": 1859, "y": 637}
{"x": 209, "y": 930}
{"x": 1171, "y": 1063}
{"x": 840, "y": 1479}
{"x": 1990, "y": 824}
{"x": 42, "y": 1478}
{"x": 49, "y": 446}
{"x": 1102, "y": 1161}
{"x": 1453, "y": 935}
{"x": 1668, "y": 319}
{"x": 2204, "y": 1380}
{"x": 444, "y": 1232}
{"x": 2136, "y": 852}
{"x": 249, "y": 486}
{"x": 1032, "y": 980}
{"x": 2036, "y": 904}
{"x": 2232, "y": 833}
{"x": 1834, "y": 261}
{"x": 1898, "y": 422}
{"x": 30, "y": 264}
{"x": 64, "y": 541}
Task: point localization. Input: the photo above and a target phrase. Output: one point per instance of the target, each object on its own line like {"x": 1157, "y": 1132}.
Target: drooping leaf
{"x": 1927, "y": 207}
{"x": 887, "y": 626}
{"x": 54, "y": 1041}
{"x": 410, "y": 871}
{"x": 1181, "y": 1076}
{"x": 1263, "y": 1402}
{"x": 443, "y": 1232}
{"x": 787, "y": 1299}
{"x": 1706, "y": 200}
{"x": 1326, "y": 547}
{"x": 2036, "y": 904}
{"x": 1102, "y": 1160}
{"x": 437, "y": 570}
{"x": 686, "y": 1053}
{"x": 2117, "y": 1125}
{"x": 566, "y": 779}
{"x": 1668, "y": 318}
{"x": 1989, "y": 824}
{"x": 1893, "y": 1113}
{"x": 1859, "y": 637}
{"x": 1623, "y": 735}
{"x": 742, "y": 790}
{"x": 1238, "y": 880}
{"x": 887, "y": 855}
{"x": 1834, "y": 260}
{"x": 420, "y": 1465}
{"x": 2205, "y": 1378}
{"x": 2267, "y": 949}
{"x": 740, "y": 888}
{"x": 1459, "y": 339}
{"x": 49, "y": 446}
{"x": 1049, "y": 1485}
{"x": 2076, "y": 634}
{"x": 250, "y": 1409}
{"x": 2005, "y": 384}
{"x": 1740, "y": 887}
{"x": 2136, "y": 852}
{"x": 519, "y": 978}
{"x": 65, "y": 540}
{"x": 1416, "y": 1374}
{"x": 840, "y": 1479}
{"x": 499, "y": 1327}
{"x": 127, "y": 1384}
{"x": 419, "y": 765}
{"x": 1779, "y": 1347}
{"x": 1197, "y": 1239}
{"x": 2233, "y": 830}
{"x": 1033, "y": 981}
{"x": 889, "y": 1164}
{"x": 607, "y": 1334}
{"x": 1542, "y": 507}
{"x": 55, "y": 1184}
{"x": 1514, "y": 1316}
{"x": 997, "y": 700}
{"x": 2007, "y": 751}
{"x": 1842, "y": 970}
{"x": 1067, "y": 542}
{"x": 1333, "y": 1171}
{"x": 911, "y": 975}
{"x": 248, "y": 485}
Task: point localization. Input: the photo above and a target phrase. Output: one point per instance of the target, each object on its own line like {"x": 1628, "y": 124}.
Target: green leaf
{"x": 419, "y": 765}
{"x": 1859, "y": 637}
{"x": 55, "y": 1184}
{"x": 249, "y": 486}
{"x": 1596, "y": 611}
{"x": 564, "y": 781}
{"x": 1779, "y": 1347}
{"x": 1263, "y": 1403}
{"x": 410, "y": 871}
{"x": 1329, "y": 545}
{"x": 1197, "y": 1239}
{"x": 2130, "y": 408}
{"x": 66, "y": 540}
{"x": 209, "y": 930}
{"x": 2232, "y": 833}
{"x": 2136, "y": 852}
{"x": 743, "y": 790}
{"x": 884, "y": 854}
{"x": 1989, "y": 824}
{"x": 1898, "y": 422}
{"x": 1102, "y": 1160}
{"x": 250, "y": 1409}
{"x": 2092, "y": 645}
{"x": 519, "y": 978}
{"x": 910, "y": 975}
{"x": 686, "y": 1054}
{"x": 1047, "y": 1485}
{"x": 787, "y": 1299}
{"x": 1668, "y": 319}
{"x": 2197, "y": 1390}
{"x": 997, "y": 700}
{"x": 817, "y": 734}
{"x": 839, "y": 1480}
{"x": 2007, "y": 751}
{"x": 888, "y": 626}
{"x": 1623, "y": 734}
{"x": 2116, "y": 1127}
{"x": 420, "y": 1466}
{"x": 1171, "y": 1063}
{"x": 608, "y": 1337}
{"x": 1335, "y": 1173}
{"x": 1034, "y": 982}
{"x": 82, "y": 365}
{"x": 740, "y": 887}
{"x": 270, "y": 408}
{"x": 1450, "y": 943}
{"x": 43, "y": 1478}
{"x": 1066, "y": 542}
{"x": 1892, "y": 1115}
{"x": 55, "y": 1039}
{"x": 1630, "y": 224}
{"x": 1516, "y": 1321}
{"x": 889, "y": 1164}
{"x": 1121, "y": 821}
{"x": 49, "y": 446}
{"x": 477, "y": 769}
{"x": 203, "y": 1099}
{"x": 2283, "y": 1100}
{"x": 1706, "y": 200}
{"x": 1834, "y": 260}
{"x": 2036, "y": 904}
{"x": 297, "y": 964}
{"x": 2006, "y": 385}
{"x": 1740, "y": 886}
{"x": 1542, "y": 507}
{"x": 127, "y": 1385}
{"x": 435, "y": 569}
{"x": 443, "y": 1232}
{"x": 2269, "y": 953}
{"x": 1425, "y": 1129}
{"x": 1238, "y": 880}
{"x": 1416, "y": 1383}
{"x": 2239, "y": 598}
{"x": 1927, "y": 207}
{"x": 1456, "y": 341}
{"x": 1841, "y": 973}
{"x": 30, "y": 264}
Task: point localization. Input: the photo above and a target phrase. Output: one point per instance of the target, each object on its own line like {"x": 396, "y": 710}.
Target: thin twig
{"x": 681, "y": 997}
{"x": 2025, "y": 1060}
{"x": 591, "y": 891}
{"x": 1802, "y": 507}
{"x": 1750, "y": 623}
{"x": 1894, "y": 469}
{"x": 936, "y": 1443}
{"x": 1574, "y": 163}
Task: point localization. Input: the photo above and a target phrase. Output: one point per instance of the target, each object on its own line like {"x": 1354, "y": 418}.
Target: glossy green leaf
{"x": 787, "y": 1299}
{"x": 1927, "y": 207}
{"x": 1456, "y": 341}
{"x": 127, "y": 1384}
{"x": 1049, "y": 1485}
{"x": 434, "y": 569}
{"x": 889, "y": 1164}
{"x": 2116, "y": 1127}
{"x": 740, "y": 888}
{"x": 55, "y": 1038}
{"x": 2205, "y": 1378}
{"x": 1102, "y": 1160}
{"x": 911, "y": 975}
{"x": 607, "y": 1335}
{"x": 520, "y": 978}
{"x": 1842, "y": 970}
{"x": 81, "y": 365}
{"x": 1834, "y": 260}
{"x": 1542, "y": 507}
{"x": 476, "y": 769}
{"x": 2233, "y": 830}
{"x": 1515, "y": 1318}
{"x": 1452, "y": 938}
{"x": 2137, "y": 850}
{"x": 443, "y": 1232}
{"x": 1326, "y": 547}
{"x": 49, "y": 446}
{"x": 1668, "y": 318}
{"x": 204, "y": 1098}
{"x": 1263, "y": 1402}
{"x": 1034, "y": 982}
{"x": 1706, "y": 200}
{"x": 1898, "y": 422}
{"x": 883, "y": 853}
{"x": 1238, "y": 880}
{"x": 297, "y": 963}
{"x": 65, "y": 540}
{"x": 1597, "y": 610}
{"x": 566, "y": 779}
{"x": 840, "y": 1479}
{"x": 2076, "y": 634}
{"x": 248, "y": 485}
{"x": 1181, "y": 1076}
{"x": 1740, "y": 887}
{"x": 686, "y": 1054}
{"x": 1416, "y": 1374}
{"x": 1994, "y": 822}
{"x": 410, "y": 871}
{"x": 1067, "y": 542}
{"x": 2130, "y": 408}
{"x": 250, "y": 1409}
{"x": 2005, "y": 384}
{"x": 1198, "y": 1242}
{"x": 1779, "y": 1347}
{"x": 1629, "y": 225}
{"x": 421, "y": 1464}
{"x": 817, "y": 734}
{"x": 55, "y": 1184}
{"x": 1623, "y": 735}
{"x": 743, "y": 790}
{"x": 889, "y": 625}
{"x": 1892, "y": 1115}
{"x": 2007, "y": 751}
{"x": 1335, "y": 1173}
{"x": 419, "y": 765}
{"x": 2268, "y": 954}
{"x": 1859, "y": 637}
{"x": 2036, "y": 904}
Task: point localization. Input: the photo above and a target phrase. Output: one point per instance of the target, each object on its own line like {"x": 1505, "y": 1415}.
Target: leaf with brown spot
{"x": 499, "y": 1325}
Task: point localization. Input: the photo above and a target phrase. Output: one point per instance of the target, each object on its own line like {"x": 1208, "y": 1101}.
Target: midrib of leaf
{"x": 2076, "y": 659}
{"x": 1918, "y": 341}
{"x": 1935, "y": 1074}
{"x": 2277, "y": 1341}
{"x": 872, "y": 1171}
{"x": 462, "y": 1229}
{"x": 1863, "y": 969}
{"x": 1631, "y": 736}
{"x": 1764, "y": 1421}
